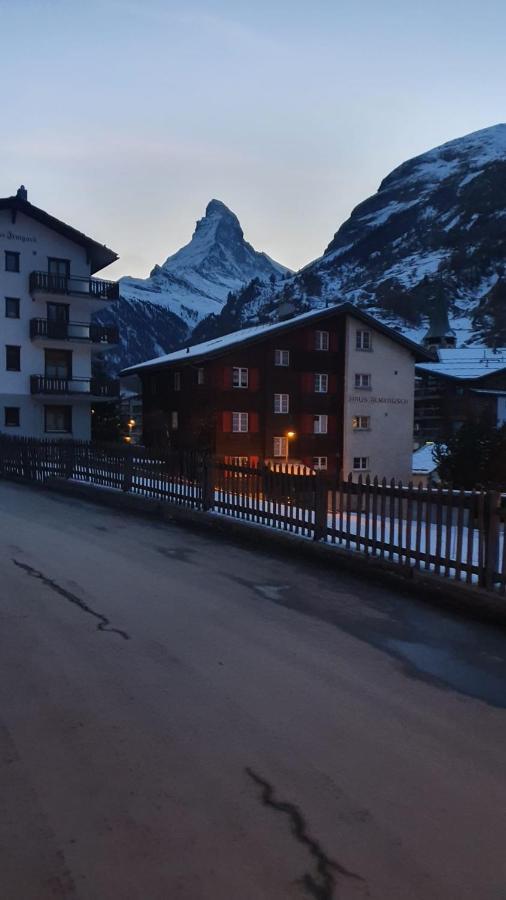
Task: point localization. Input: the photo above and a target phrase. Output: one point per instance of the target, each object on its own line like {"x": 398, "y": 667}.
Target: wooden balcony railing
{"x": 88, "y": 332}
{"x": 94, "y": 288}
{"x": 93, "y": 387}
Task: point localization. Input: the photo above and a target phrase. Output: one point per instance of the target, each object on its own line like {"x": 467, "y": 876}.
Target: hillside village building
{"x": 464, "y": 384}
{"x": 332, "y": 389}
{"x": 47, "y": 297}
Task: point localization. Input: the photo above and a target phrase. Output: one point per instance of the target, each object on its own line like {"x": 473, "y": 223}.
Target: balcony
{"x": 94, "y": 388}
{"x": 73, "y": 286}
{"x": 81, "y": 332}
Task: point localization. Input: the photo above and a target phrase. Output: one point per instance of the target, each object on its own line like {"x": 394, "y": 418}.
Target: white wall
{"x": 389, "y": 404}
{"x": 35, "y": 243}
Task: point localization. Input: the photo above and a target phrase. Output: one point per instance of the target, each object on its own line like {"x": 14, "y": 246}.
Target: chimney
{"x": 22, "y": 193}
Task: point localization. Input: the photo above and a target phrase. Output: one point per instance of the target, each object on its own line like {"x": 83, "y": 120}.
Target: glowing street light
{"x": 289, "y": 437}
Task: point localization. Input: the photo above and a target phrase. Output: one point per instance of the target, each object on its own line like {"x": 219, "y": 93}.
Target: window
{"x": 281, "y": 403}
{"x": 280, "y": 446}
{"x": 237, "y": 460}
{"x": 12, "y": 307}
{"x": 174, "y": 420}
{"x": 57, "y": 312}
{"x": 58, "y": 363}
{"x": 321, "y": 340}
{"x": 11, "y": 416}
{"x": 319, "y": 462}
{"x": 177, "y": 381}
{"x": 361, "y": 423}
{"x": 281, "y": 357}
{"x": 11, "y": 261}
{"x": 239, "y": 378}
{"x": 239, "y": 421}
{"x": 320, "y": 424}
{"x": 362, "y": 381}
{"x": 321, "y": 383}
{"x": 363, "y": 340}
{"x": 12, "y": 358}
{"x": 58, "y": 419}
{"x": 200, "y": 376}
{"x": 360, "y": 463}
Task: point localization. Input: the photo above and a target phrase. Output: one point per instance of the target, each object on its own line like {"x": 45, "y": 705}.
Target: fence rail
{"x": 459, "y": 535}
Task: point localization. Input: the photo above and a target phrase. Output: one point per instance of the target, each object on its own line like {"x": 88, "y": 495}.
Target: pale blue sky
{"x": 124, "y": 117}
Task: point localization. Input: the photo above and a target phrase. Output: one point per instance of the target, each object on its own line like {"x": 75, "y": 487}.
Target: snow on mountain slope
{"x": 197, "y": 280}
{"x": 157, "y": 314}
{"x": 437, "y": 220}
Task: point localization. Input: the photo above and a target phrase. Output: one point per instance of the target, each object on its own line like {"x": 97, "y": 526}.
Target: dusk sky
{"x": 125, "y": 117}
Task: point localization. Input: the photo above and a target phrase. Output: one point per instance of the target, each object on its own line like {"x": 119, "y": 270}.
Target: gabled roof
{"x": 99, "y": 255}
{"x": 466, "y": 363}
{"x": 255, "y": 334}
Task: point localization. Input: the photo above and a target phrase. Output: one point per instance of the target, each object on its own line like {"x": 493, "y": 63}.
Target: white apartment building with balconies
{"x": 47, "y": 297}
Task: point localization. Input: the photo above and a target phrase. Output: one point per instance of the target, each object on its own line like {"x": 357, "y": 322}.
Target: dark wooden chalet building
{"x": 332, "y": 389}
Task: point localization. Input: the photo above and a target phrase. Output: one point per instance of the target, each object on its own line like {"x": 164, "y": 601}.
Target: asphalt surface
{"x": 181, "y": 717}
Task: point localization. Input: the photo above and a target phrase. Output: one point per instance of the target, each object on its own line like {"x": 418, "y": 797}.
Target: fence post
{"x": 207, "y": 485}
{"x": 493, "y": 503}
{"x": 69, "y": 459}
{"x": 320, "y": 507}
{"x": 128, "y": 469}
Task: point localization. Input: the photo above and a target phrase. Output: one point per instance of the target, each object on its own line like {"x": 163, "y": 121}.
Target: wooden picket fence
{"x": 458, "y": 535}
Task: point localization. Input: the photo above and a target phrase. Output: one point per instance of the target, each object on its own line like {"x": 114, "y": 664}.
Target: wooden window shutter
{"x": 307, "y": 423}
{"x": 332, "y": 384}
{"x": 227, "y": 421}
{"x": 227, "y": 378}
{"x": 332, "y": 424}
{"x": 254, "y": 379}
{"x": 307, "y": 383}
{"x": 253, "y": 425}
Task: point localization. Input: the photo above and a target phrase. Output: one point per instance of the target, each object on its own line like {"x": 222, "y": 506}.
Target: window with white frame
{"x": 321, "y": 383}
{"x": 177, "y": 381}
{"x": 174, "y": 419}
{"x": 239, "y": 377}
{"x": 360, "y": 463}
{"x": 319, "y": 462}
{"x": 362, "y": 380}
{"x": 280, "y": 446}
{"x": 361, "y": 423}
{"x": 281, "y": 403}
{"x": 363, "y": 340}
{"x": 281, "y": 357}
{"x": 239, "y": 421}
{"x": 321, "y": 340}
{"x": 320, "y": 424}
{"x": 200, "y": 376}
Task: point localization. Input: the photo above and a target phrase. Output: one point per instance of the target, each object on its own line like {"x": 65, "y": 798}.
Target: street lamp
{"x": 289, "y": 437}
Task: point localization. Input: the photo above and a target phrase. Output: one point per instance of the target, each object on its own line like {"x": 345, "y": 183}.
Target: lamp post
{"x": 289, "y": 437}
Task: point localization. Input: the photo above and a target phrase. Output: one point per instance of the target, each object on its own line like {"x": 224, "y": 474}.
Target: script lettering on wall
{"x": 21, "y": 238}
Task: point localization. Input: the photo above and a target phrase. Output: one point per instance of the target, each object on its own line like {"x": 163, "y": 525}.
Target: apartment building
{"x": 332, "y": 389}
{"x": 47, "y": 297}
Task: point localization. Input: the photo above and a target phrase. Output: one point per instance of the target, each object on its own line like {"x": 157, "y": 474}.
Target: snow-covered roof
{"x": 216, "y": 345}
{"x": 423, "y": 460}
{"x": 466, "y": 362}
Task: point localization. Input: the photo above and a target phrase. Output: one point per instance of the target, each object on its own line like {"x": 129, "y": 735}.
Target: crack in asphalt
{"x": 322, "y": 884}
{"x": 103, "y": 623}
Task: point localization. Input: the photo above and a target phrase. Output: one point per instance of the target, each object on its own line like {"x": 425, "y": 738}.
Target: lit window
{"x": 319, "y": 462}
{"x": 239, "y": 421}
{"x": 174, "y": 419}
{"x": 360, "y": 463}
{"x": 281, "y": 357}
{"x": 361, "y": 423}
{"x": 362, "y": 380}
{"x": 321, "y": 340}
{"x": 237, "y": 460}
{"x": 321, "y": 383}
{"x": 363, "y": 340}
{"x": 200, "y": 376}
{"x": 280, "y": 446}
{"x": 320, "y": 424}
{"x": 239, "y": 378}
{"x": 281, "y": 403}
{"x": 177, "y": 381}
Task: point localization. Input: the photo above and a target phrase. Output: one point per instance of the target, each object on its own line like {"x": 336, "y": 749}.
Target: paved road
{"x": 184, "y": 719}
